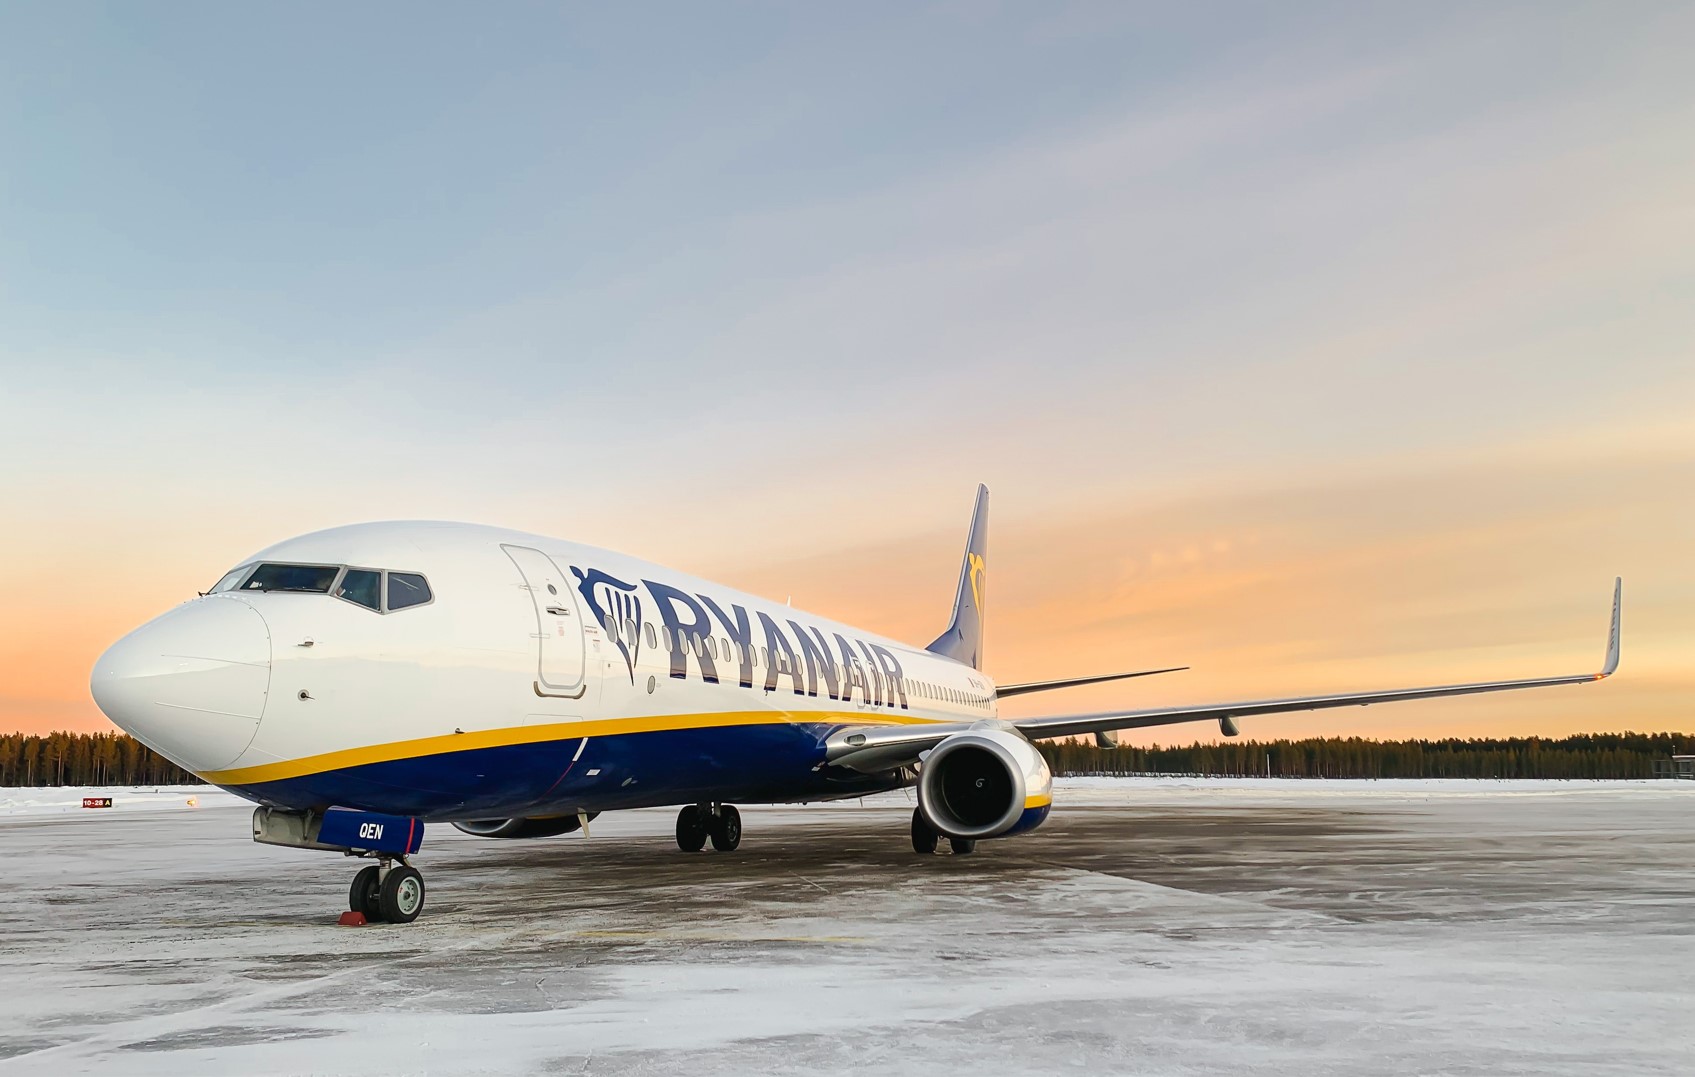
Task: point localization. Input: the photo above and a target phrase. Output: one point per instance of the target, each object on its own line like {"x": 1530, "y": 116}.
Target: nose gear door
{"x": 559, "y": 623}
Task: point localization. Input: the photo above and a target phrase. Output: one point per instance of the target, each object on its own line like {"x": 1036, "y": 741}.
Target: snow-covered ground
{"x": 67, "y": 800}
{"x": 1102, "y": 790}
{"x": 1180, "y": 926}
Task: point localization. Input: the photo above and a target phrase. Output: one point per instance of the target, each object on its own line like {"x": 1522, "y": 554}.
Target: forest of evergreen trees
{"x": 115, "y": 759}
{"x": 84, "y": 759}
{"x": 1587, "y": 755}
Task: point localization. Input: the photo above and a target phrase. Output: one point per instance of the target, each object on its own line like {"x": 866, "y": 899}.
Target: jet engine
{"x": 984, "y": 783}
{"x": 544, "y": 827}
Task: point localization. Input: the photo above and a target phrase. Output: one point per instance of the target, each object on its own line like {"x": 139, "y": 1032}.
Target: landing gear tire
{"x": 362, "y": 897}
{"x": 401, "y": 896}
{"x": 963, "y": 846}
{"x": 726, "y": 829}
{"x": 924, "y": 835}
{"x": 691, "y": 829}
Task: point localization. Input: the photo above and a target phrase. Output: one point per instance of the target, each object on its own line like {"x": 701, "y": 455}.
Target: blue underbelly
{"x": 743, "y": 764}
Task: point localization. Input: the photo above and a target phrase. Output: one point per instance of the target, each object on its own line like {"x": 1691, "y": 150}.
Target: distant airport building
{"x": 1678, "y": 766}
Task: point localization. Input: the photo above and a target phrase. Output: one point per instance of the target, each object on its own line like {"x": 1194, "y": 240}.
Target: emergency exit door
{"x": 559, "y": 623}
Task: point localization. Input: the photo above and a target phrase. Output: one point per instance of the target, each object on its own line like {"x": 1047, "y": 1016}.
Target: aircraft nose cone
{"x": 191, "y": 684}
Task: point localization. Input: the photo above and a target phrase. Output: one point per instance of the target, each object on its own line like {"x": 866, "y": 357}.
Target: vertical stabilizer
{"x": 963, "y": 641}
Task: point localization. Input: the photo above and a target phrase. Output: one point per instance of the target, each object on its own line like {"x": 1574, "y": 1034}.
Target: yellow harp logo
{"x": 976, "y": 563}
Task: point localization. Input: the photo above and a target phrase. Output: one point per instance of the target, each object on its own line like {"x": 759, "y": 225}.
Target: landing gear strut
{"x": 697, "y": 823}
{"x": 387, "y": 893}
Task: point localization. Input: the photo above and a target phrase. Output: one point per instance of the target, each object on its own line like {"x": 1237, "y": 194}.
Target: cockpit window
{"x": 313, "y": 579}
{"x": 407, "y": 589}
{"x": 229, "y": 581}
{"x": 363, "y": 587}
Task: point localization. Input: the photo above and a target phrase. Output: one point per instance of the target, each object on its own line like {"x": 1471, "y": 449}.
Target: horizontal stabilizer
{"x": 1072, "y": 682}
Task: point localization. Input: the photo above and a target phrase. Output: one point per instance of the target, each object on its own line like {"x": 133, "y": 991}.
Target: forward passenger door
{"x": 559, "y": 623}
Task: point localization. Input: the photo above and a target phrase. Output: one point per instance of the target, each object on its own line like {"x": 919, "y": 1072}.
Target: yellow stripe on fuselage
{"x": 536, "y": 734}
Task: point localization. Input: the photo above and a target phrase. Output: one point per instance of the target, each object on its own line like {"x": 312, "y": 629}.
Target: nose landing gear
{"x": 386, "y": 893}
{"x": 721, "y": 823}
{"x": 389, "y": 891}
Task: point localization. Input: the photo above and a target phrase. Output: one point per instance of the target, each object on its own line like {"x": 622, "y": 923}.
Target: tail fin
{"x": 963, "y": 641}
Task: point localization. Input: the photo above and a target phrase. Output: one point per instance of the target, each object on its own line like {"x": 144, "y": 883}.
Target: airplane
{"x": 360, "y": 682}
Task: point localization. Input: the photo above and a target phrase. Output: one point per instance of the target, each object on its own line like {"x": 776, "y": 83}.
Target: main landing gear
{"x": 925, "y": 837}
{"x": 721, "y": 823}
{"x": 387, "y": 893}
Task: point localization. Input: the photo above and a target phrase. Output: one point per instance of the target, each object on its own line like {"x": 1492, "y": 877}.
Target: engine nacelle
{"x": 548, "y": 827}
{"x": 985, "y": 783}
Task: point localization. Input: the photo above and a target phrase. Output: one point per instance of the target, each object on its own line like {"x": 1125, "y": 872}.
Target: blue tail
{"x": 963, "y": 641}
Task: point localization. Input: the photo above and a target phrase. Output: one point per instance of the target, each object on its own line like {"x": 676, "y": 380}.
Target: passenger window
{"x": 362, "y": 587}
{"x": 649, "y": 634}
{"x": 407, "y": 589}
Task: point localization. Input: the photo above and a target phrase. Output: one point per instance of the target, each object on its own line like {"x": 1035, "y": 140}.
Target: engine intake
{"x": 547, "y": 827}
{"x": 985, "y": 783}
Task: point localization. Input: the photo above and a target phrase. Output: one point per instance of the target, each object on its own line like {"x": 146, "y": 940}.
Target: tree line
{"x": 84, "y": 759}
{"x": 117, "y": 759}
{"x": 1586, "y": 755}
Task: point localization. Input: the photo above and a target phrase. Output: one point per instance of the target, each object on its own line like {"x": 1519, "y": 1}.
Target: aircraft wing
{"x": 1072, "y": 682}
{"x": 875, "y": 748}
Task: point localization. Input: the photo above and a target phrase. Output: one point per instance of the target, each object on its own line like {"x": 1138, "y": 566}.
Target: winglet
{"x": 1612, "y": 635}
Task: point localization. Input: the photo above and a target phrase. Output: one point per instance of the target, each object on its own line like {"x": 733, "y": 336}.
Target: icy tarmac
{"x": 1152, "y": 927}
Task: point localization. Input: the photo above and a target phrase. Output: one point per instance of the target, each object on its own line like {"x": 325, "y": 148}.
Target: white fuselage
{"x": 538, "y": 676}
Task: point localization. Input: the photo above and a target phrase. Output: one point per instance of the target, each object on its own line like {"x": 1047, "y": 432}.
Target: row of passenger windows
{"x": 721, "y": 649}
{"x": 375, "y": 589}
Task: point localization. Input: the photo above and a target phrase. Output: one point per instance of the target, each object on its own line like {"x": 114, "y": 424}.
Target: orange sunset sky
{"x": 1323, "y": 350}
